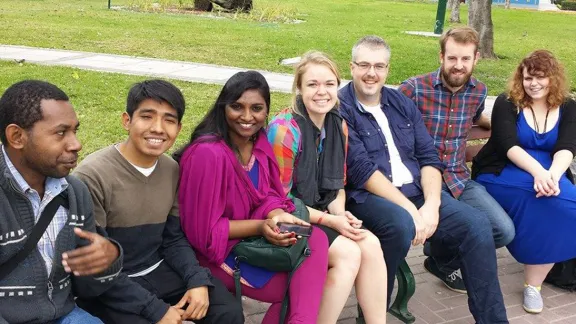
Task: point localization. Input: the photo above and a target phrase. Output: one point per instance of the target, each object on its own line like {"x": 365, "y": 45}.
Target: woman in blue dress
{"x": 524, "y": 166}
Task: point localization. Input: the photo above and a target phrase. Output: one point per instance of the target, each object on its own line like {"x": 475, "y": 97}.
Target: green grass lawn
{"x": 331, "y": 26}
{"x": 100, "y": 99}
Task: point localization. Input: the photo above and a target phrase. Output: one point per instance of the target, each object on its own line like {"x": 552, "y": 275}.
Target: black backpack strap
{"x": 35, "y": 235}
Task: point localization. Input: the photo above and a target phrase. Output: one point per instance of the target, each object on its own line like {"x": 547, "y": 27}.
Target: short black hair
{"x": 21, "y": 104}
{"x": 159, "y": 90}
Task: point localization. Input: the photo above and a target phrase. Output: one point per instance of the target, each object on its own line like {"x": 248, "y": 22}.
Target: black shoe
{"x": 452, "y": 280}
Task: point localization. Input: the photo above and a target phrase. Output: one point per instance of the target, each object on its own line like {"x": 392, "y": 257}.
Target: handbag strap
{"x": 35, "y": 235}
{"x": 284, "y": 310}
{"x": 286, "y": 301}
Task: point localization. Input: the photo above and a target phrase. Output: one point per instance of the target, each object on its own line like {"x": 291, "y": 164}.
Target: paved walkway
{"x": 434, "y": 304}
{"x": 178, "y": 70}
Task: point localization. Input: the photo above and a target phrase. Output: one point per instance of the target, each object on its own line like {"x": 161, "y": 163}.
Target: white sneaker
{"x": 532, "y": 300}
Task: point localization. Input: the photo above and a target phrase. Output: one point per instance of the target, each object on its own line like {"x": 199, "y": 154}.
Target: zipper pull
{"x": 50, "y": 290}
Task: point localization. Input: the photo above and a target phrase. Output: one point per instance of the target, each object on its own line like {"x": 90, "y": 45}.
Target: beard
{"x": 454, "y": 81}
{"x": 35, "y": 159}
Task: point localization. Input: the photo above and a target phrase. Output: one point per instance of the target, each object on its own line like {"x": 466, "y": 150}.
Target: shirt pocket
{"x": 407, "y": 136}
{"x": 371, "y": 139}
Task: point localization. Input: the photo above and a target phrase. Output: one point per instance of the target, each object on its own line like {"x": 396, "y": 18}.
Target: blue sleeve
{"x": 359, "y": 166}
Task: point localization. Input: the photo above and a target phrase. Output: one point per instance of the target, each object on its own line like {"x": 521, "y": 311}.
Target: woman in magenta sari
{"x": 230, "y": 189}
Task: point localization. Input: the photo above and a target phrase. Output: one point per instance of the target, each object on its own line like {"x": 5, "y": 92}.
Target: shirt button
{"x": 450, "y": 126}
{"x": 452, "y": 110}
{"x": 408, "y": 125}
{"x": 389, "y": 176}
{"x": 386, "y": 145}
{"x": 389, "y": 161}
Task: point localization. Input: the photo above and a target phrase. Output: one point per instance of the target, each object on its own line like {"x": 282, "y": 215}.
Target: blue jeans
{"x": 392, "y": 225}
{"x": 78, "y": 315}
{"x": 475, "y": 195}
{"x": 463, "y": 237}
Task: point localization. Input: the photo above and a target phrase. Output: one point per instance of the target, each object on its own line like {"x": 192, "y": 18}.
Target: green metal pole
{"x": 440, "y": 17}
{"x": 109, "y": 3}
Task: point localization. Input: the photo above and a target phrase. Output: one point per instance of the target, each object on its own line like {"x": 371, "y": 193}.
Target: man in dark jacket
{"x": 39, "y": 148}
{"x": 395, "y": 183}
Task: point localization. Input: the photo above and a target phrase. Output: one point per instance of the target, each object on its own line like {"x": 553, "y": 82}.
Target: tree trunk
{"x": 454, "y": 6}
{"x": 203, "y": 5}
{"x": 242, "y": 5}
{"x": 480, "y": 18}
{"x": 507, "y": 4}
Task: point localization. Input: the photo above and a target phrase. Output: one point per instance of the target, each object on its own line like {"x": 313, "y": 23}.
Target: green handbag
{"x": 257, "y": 251}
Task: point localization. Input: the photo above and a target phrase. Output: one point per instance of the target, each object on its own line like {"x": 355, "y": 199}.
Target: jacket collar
{"x": 11, "y": 174}
{"x": 349, "y": 97}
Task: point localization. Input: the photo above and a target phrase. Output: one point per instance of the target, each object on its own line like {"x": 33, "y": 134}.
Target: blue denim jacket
{"x": 367, "y": 147}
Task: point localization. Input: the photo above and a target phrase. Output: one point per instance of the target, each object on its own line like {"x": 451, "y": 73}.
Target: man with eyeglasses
{"x": 451, "y": 101}
{"x": 394, "y": 183}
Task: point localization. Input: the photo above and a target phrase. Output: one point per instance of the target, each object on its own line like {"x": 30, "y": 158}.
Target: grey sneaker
{"x": 532, "y": 300}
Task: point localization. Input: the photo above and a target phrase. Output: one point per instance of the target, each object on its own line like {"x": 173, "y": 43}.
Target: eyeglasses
{"x": 365, "y": 66}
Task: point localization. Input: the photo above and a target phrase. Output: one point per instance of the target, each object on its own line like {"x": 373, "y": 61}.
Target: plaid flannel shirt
{"x": 449, "y": 118}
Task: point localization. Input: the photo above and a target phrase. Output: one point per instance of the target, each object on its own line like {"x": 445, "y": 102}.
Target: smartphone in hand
{"x": 299, "y": 230}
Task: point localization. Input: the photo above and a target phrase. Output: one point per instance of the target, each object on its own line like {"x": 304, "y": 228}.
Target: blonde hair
{"x": 310, "y": 58}
{"x": 540, "y": 62}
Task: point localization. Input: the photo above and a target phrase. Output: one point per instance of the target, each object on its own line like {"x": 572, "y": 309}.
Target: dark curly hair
{"x": 20, "y": 104}
{"x": 541, "y": 63}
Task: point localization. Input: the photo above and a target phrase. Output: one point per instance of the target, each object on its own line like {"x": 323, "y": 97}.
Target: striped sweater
{"x": 28, "y": 294}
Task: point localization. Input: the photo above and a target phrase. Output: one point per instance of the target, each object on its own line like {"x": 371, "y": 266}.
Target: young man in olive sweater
{"x": 134, "y": 189}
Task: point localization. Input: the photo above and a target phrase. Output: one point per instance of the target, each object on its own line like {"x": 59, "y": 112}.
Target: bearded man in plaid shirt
{"x": 451, "y": 102}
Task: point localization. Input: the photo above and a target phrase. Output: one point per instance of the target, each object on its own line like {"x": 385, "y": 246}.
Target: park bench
{"x": 404, "y": 276}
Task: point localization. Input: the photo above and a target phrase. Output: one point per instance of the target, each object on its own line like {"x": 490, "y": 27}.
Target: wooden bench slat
{"x": 478, "y": 132}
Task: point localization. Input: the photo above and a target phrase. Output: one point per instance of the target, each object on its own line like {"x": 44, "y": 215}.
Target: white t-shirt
{"x": 400, "y": 173}
{"x": 145, "y": 171}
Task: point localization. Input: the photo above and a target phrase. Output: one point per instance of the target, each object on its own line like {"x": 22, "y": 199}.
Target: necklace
{"x": 250, "y": 163}
{"x": 536, "y": 122}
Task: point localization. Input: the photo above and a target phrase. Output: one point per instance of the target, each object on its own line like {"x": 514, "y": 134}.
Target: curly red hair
{"x": 542, "y": 63}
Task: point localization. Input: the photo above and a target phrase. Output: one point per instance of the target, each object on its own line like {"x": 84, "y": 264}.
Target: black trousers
{"x": 167, "y": 285}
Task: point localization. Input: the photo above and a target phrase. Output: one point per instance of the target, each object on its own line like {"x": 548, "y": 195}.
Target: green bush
{"x": 569, "y": 5}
